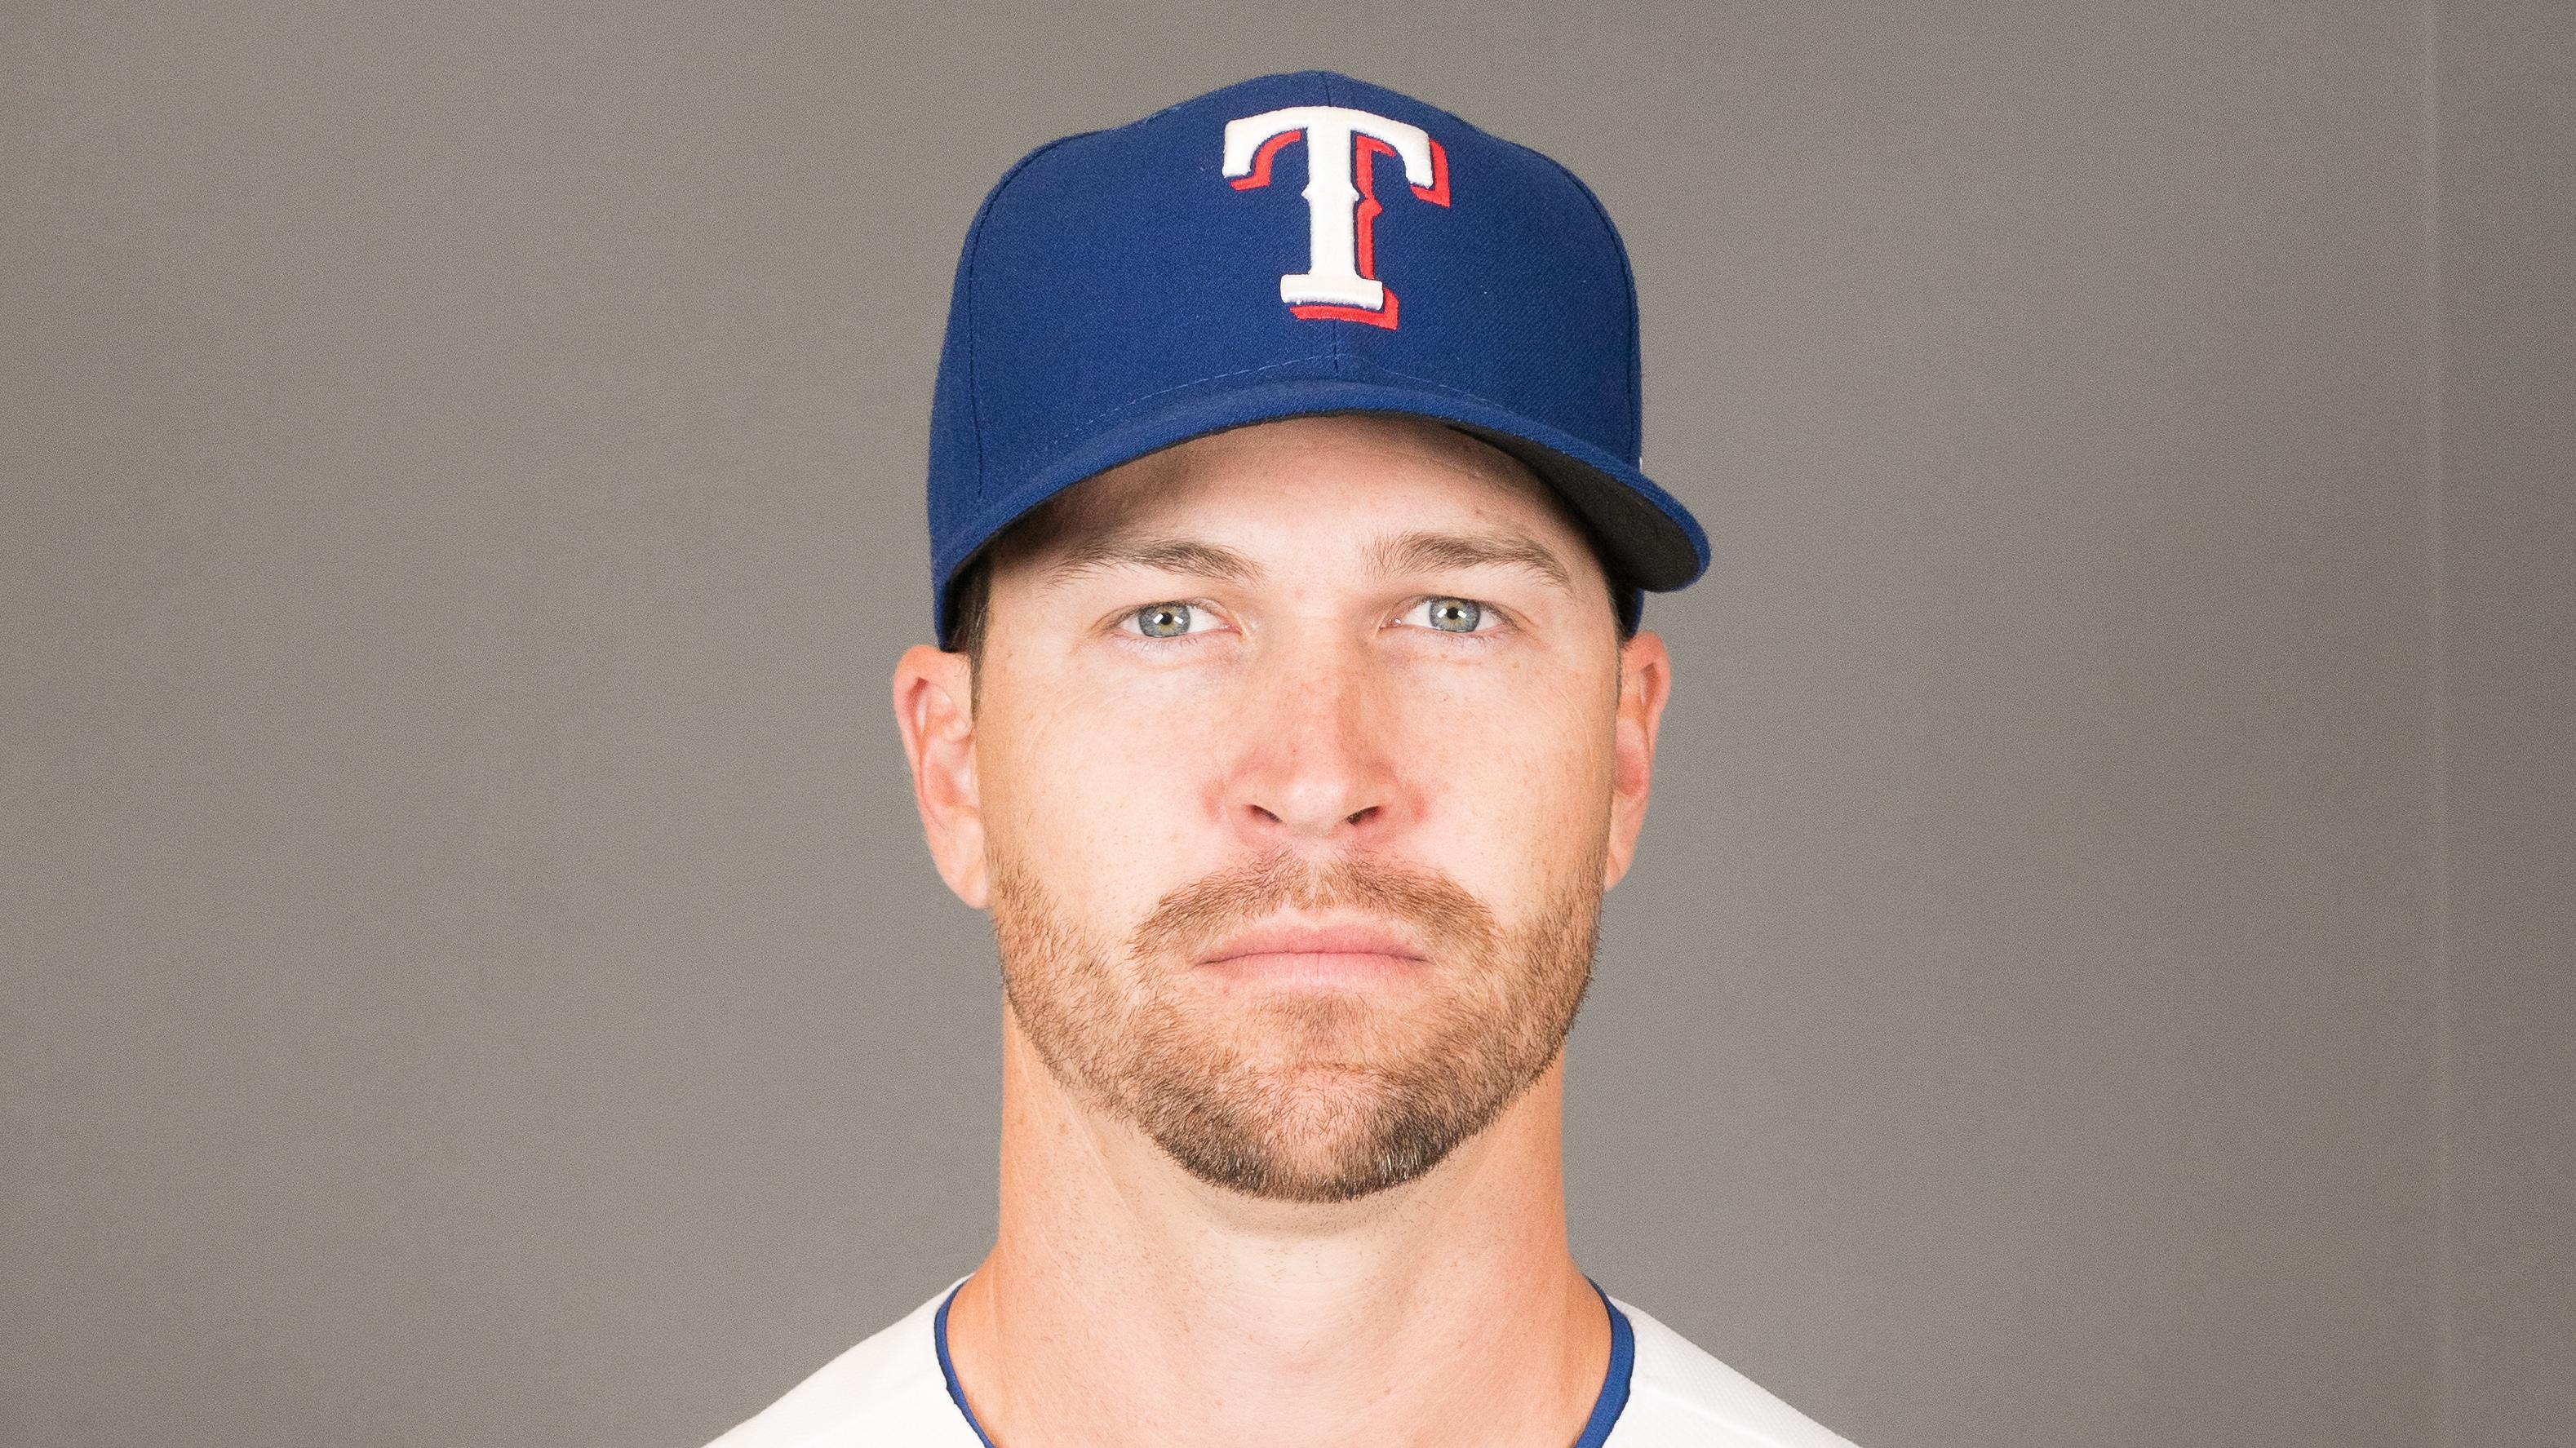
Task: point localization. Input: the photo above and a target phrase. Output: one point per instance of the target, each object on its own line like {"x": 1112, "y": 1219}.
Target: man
{"x": 1291, "y": 717}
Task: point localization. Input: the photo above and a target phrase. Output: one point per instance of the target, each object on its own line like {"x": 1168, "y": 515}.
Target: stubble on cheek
{"x": 1297, "y": 1097}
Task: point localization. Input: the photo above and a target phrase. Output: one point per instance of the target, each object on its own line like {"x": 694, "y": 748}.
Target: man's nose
{"x": 1315, "y": 760}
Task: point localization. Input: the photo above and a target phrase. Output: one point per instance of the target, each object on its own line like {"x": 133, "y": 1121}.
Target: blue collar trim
{"x": 1596, "y": 1429}
{"x": 1614, "y": 1383}
{"x": 948, "y": 1368}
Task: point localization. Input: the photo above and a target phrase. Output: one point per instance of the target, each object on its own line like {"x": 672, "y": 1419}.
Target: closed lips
{"x": 1314, "y": 940}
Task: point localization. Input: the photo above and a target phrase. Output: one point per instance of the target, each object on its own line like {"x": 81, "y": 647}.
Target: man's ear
{"x": 933, "y": 706}
{"x": 1645, "y": 679}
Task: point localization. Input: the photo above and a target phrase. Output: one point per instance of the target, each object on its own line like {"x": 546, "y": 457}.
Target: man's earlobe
{"x": 1645, "y": 681}
{"x": 934, "y": 709}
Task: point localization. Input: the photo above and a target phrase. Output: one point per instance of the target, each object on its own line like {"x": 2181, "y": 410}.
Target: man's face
{"x": 1298, "y": 751}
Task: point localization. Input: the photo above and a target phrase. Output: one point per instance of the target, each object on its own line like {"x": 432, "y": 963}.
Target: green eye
{"x": 1163, "y": 620}
{"x": 1454, "y": 615}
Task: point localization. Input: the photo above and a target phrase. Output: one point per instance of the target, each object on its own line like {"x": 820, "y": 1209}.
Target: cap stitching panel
{"x": 1455, "y": 390}
{"x": 1636, "y": 346}
{"x": 974, "y": 257}
{"x": 1139, "y": 401}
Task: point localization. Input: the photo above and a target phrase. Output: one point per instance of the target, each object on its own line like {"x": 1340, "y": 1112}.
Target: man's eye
{"x": 1166, "y": 620}
{"x": 1452, "y": 615}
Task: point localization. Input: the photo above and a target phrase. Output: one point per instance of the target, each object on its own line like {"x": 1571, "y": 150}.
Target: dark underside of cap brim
{"x": 1649, "y": 539}
{"x": 1648, "y": 547}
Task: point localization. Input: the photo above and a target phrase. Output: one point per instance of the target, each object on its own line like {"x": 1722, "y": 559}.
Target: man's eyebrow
{"x": 1434, "y": 552}
{"x": 1120, "y": 548}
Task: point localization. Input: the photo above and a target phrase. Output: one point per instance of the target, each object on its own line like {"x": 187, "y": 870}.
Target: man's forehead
{"x": 1382, "y": 464}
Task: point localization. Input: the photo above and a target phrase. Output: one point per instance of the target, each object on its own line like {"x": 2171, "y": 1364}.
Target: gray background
{"x": 2098, "y": 971}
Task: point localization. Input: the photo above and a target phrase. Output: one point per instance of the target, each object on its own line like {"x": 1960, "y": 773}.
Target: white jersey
{"x": 897, "y": 1390}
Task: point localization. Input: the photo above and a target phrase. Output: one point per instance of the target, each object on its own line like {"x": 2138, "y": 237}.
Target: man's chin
{"x": 1310, "y": 1132}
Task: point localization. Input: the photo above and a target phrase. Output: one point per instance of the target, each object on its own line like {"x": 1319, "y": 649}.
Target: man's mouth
{"x": 1304, "y": 953}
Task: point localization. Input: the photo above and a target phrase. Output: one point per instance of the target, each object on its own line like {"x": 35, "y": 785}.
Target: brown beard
{"x": 1299, "y": 1098}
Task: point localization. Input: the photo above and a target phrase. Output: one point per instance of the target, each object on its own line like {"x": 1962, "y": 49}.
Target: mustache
{"x": 1198, "y": 916}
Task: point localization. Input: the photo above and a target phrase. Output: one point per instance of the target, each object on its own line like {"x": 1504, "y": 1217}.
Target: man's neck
{"x": 1127, "y": 1303}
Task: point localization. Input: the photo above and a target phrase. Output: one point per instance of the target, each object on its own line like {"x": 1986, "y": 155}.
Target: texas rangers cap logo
{"x": 1342, "y": 146}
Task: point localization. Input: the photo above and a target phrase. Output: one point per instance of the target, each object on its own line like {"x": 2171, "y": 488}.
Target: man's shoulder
{"x": 1681, "y": 1397}
{"x": 888, "y": 1389}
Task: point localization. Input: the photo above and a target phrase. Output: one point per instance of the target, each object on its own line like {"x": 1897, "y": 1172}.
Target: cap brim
{"x": 1652, "y": 541}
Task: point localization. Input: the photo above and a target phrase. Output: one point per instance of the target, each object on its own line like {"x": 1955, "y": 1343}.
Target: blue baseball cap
{"x": 1286, "y": 246}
